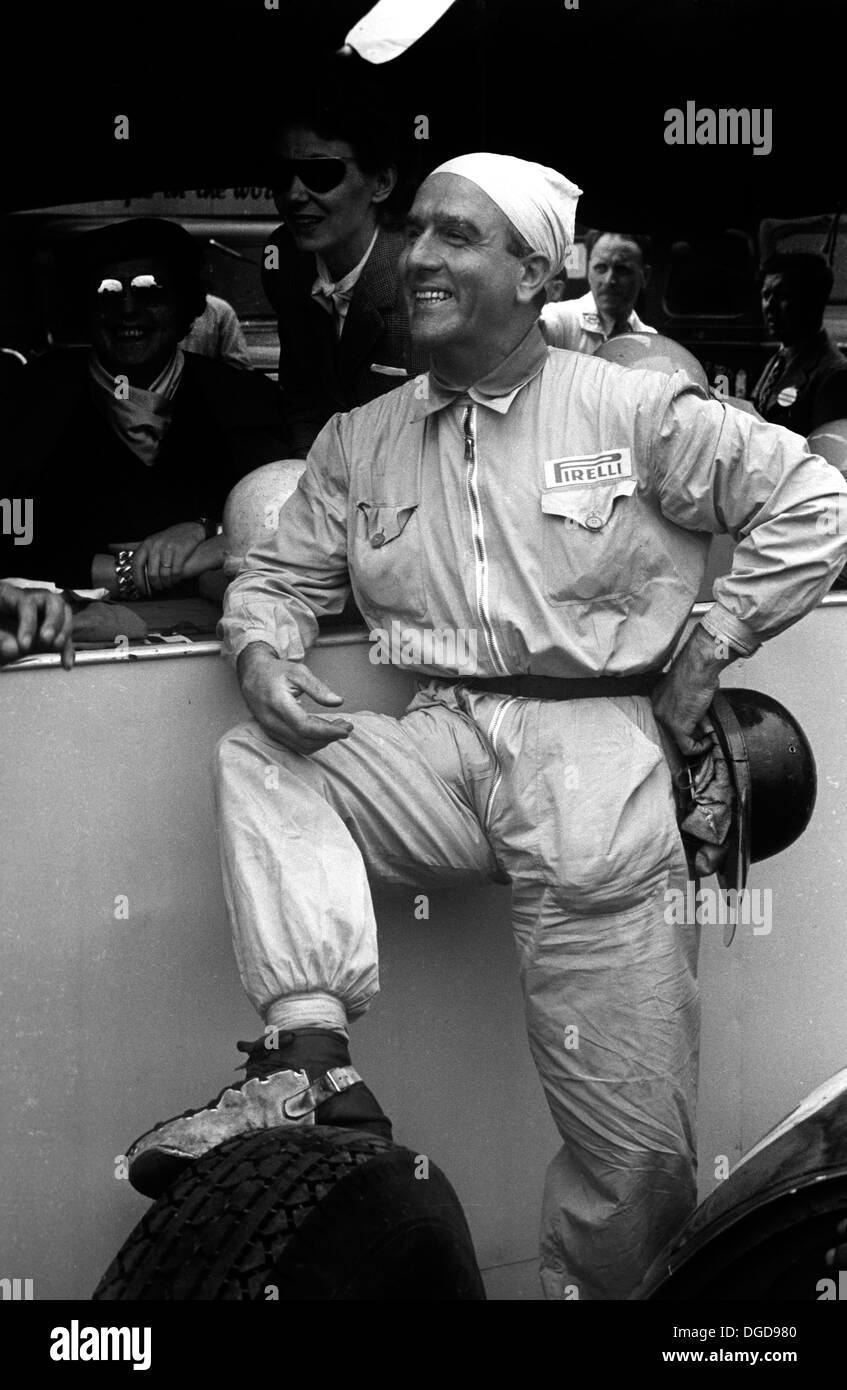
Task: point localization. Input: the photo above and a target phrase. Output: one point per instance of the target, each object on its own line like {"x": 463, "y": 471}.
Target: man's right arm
{"x": 272, "y": 690}
{"x": 280, "y": 589}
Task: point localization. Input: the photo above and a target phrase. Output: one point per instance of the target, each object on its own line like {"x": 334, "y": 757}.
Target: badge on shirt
{"x": 787, "y": 396}
{"x": 581, "y": 470}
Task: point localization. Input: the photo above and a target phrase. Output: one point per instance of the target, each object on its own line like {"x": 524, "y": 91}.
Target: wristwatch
{"x": 212, "y": 528}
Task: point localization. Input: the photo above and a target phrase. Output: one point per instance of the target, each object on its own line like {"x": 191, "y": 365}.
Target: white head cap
{"x": 539, "y": 202}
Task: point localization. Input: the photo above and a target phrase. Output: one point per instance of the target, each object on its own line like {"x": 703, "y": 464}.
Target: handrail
{"x": 352, "y": 636}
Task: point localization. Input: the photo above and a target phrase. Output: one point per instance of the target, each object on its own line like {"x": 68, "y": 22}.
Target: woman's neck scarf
{"x": 140, "y": 417}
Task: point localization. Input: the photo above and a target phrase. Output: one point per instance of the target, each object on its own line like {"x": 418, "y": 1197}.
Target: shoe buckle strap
{"x": 332, "y": 1083}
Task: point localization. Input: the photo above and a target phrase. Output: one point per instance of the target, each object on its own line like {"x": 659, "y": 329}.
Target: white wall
{"x": 109, "y": 1025}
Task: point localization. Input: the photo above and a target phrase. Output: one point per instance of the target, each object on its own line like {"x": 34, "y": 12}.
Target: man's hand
{"x": 272, "y": 689}
{"x": 684, "y": 695}
{"x": 34, "y": 620}
{"x": 163, "y": 555}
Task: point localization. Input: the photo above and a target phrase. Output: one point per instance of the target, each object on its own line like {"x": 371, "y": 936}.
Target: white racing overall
{"x": 558, "y": 514}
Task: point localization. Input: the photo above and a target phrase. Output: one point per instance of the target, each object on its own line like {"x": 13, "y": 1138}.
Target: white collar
{"x": 592, "y": 323}
{"x": 324, "y": 284}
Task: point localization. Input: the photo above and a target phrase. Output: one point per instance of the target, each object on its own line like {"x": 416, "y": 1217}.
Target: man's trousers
{"x": 571, "y": 802}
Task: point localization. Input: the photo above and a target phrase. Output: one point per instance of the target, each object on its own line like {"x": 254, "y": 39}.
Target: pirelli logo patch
{"x": 582, "y": 470}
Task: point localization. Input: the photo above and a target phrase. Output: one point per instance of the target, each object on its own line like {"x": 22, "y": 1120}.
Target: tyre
{"x": 308, "y": 1212}
{"x": 776, "y": 1227}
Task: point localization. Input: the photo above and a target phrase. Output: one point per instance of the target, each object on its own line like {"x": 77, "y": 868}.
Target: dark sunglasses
{"x": 146, "y": 287}
{"x": 320, "y": 175}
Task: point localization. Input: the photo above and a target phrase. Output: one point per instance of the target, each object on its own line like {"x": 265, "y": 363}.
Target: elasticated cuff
{"x": 315, "y": 1010}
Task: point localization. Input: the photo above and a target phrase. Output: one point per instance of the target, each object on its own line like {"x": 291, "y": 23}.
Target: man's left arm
{"x": 719, "y": 470}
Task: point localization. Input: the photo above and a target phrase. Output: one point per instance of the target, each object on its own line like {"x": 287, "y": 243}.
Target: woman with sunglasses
{"x": 134, "y": 443}
{"x": 331, "y": 269}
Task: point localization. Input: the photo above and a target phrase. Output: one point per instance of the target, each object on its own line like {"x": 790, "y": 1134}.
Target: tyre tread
{"x": 223, "y": 1224}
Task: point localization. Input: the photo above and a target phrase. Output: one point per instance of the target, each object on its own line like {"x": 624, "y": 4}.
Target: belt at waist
{"x": 564, "y": 688}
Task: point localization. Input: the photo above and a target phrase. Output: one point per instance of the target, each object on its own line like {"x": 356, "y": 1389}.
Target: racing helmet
{"x": 653, "y": 352}
{"x": 251, "y": 511}
{"x": 772, "y": 768}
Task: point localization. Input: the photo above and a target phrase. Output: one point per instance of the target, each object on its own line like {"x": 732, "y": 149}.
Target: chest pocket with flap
{"x": 590, "y": 540}
{"x": 387, "y": 567}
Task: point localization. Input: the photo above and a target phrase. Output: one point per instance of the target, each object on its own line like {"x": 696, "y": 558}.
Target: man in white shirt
{"x": 218, "y": 333}
{"x": 618, "y": 270}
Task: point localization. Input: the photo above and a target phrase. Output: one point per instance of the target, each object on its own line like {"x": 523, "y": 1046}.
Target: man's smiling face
{"x": 460, "y": 280}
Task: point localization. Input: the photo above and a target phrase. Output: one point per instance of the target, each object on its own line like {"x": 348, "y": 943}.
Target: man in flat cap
{"x": 558, "y": 508}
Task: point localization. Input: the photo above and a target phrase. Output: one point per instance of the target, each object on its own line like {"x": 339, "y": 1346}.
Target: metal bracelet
{"x": 123, "y": 574}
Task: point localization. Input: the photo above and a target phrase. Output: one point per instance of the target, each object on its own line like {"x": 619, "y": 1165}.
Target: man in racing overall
{"x": 558, "y": 509}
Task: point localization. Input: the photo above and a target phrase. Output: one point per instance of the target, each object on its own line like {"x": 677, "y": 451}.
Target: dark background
{"x": 585, "y": 90}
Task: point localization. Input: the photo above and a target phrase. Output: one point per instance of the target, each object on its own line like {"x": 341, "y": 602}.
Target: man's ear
{"x": 386, "y": 180}
{"x": 535, "y": 271}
